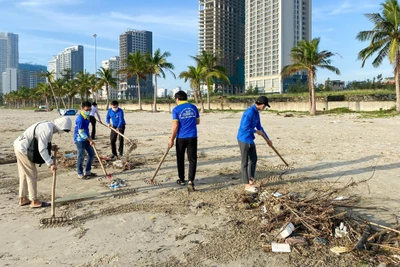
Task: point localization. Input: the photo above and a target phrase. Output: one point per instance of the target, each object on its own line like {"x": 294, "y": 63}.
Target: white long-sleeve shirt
{"x": 43, "y": 133}
{"x": 95, "y": 111}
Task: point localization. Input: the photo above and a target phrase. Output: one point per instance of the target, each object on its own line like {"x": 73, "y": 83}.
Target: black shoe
{"x": 114, "y": 157}
{"x": 182, "y": 183}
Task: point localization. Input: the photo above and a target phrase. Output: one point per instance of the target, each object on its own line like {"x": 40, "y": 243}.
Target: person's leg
{"x": 113, "y": 140}
{"x": 121, "y": 141}
{"x": 192, "y": 157}
{"x": 80, "y": 146}
{"x": 180, "y": 157}
{"x": 253, "y": 161}
{"x": 89, "y": 149}
{"x": 244, "y": 149}
{"x": 93, "y": 122}
{"x": 23, "y": 185}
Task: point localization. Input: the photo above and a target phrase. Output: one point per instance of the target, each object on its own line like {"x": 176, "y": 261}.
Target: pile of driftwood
{"x": 324, "y": 218}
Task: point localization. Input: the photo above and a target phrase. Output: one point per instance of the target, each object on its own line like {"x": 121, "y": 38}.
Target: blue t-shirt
{"x": 81, "y": 130}
{"x": 248, "y": 125}
{"x": 186, "y": 114}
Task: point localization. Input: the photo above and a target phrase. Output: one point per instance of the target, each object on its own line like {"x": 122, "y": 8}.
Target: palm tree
{"x": 211, "y": 71}
{"x": 85, "y": 81}
{"x": 45, "y": 92}
{"x": 107, "y": 79}
{"x": 158, "y": 63}
{"x": 71, "y": 91}
{"x": 50, "y": 79}
{"x": 384, "y": 40}
{"x": 137, "y": 67}
{"x": 306, "y": 57}
{"x": 195, "y": 76}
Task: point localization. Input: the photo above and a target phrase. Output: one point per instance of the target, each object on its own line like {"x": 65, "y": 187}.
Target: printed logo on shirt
{"x": 187, "y": 113}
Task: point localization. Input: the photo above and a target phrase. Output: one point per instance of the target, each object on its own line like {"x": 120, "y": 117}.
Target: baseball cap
{"x": 262, "y": 100}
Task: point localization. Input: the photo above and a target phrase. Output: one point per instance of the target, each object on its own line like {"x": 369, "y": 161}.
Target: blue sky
{"x": 46, "y": 27}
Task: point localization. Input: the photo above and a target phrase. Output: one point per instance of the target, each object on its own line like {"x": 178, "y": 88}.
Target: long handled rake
{"x": 130, "y": 144}
{"x": 53, "y": 220}
{"x": 106, "y": 175}
{"x": 276, "y": 151}
{"x": 152, "y": 181}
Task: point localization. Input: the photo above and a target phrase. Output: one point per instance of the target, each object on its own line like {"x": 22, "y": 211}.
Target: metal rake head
{"x": 153, "y": 182}
{"x": 131, "y": 145}
{"x": 54, "y": 221}
{"x": 109, "y": 177}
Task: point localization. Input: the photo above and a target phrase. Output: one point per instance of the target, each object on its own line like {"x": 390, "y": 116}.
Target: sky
{"x": 46, "y": 27}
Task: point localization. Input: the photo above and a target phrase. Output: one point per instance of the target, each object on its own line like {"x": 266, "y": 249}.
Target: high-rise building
{"x": 29, "y": 75}
{"x": 273, "y": 27}
{"x": 72, "y": 58}
{"x": 9, "y": 55}
{"x": 9, "y": 80}
{"x": 112, "y": 63}
{"x": 130, "y": 42}
{"x": 221, "y": 32}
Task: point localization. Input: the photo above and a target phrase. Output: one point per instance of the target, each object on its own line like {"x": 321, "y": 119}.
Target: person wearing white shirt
{"x": 94, "y": 111}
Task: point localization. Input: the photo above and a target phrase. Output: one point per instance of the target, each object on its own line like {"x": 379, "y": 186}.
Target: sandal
{"x": 180, "y": 182}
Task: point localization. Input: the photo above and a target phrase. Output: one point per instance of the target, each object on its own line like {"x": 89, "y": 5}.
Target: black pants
{"x": 113, "y": 141}
{"x": 93, "y": 122}
{"x": 189, "y": 145}
{"x": 248, "y": 151}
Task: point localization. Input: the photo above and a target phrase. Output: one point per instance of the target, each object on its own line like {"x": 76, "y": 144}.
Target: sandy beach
{"x": 166, "y": 226}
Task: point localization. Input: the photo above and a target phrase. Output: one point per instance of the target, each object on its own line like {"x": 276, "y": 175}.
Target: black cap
{"x": 262, "y": 100}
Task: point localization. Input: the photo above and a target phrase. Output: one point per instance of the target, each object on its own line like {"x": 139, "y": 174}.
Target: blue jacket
{"x": 248, "y": 125}
{"x": 117, "y": 118}
{"x": 81, "y": 131}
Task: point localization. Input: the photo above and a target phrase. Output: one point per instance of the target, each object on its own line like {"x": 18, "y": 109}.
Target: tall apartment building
{"x": 9, "y": 55}
{"x": 221, "y": 32}
{"x": 130, "y": 42}
{"x": 112, "y": 63}
{"x": 273, "y": 27}
{"x": 9, "y": 80}
{"x": 29, "y": 75}
{"x": 71, "y": 58}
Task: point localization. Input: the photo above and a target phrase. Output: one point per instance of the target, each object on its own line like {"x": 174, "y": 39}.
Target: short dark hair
{"x": 181, "y": 95}
{"x": 94, "y": 104}
{"x": 86, "y": 104}
{"x": 114, "y": 103}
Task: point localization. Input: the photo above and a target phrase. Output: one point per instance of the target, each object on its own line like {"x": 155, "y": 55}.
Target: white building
{"x": 9, "y": 80}
{"x": 72, "y": 58}
{"x": 9, "y": 53}
{"x": 162, "y": 92}
{"x": 273, "y": 27}
{"x": 112, "y": 63}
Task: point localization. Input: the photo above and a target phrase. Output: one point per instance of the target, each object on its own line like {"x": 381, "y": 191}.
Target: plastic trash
{"x": 320, "y": 240}
{"x": 277, "y": 194}
{"x": 280, "y": 247}
{"x": 286, "y": 230}
{"x": 339, "y": 250}
{"x": 341, "y": 198}
{"x": 69, "y": 156}
{"x": 341, "y": 231}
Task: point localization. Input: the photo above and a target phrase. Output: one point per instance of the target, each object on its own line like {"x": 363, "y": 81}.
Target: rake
{"x": 53, "y": 220}
{"x": 276, "y": 151}
{"x": 130, "y": 144}
{"x": 152, "y": 181}
{"x": 106, "y": 175}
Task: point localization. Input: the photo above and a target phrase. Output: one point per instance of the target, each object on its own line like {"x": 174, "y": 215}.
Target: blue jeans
{"x": 81, "y": 147}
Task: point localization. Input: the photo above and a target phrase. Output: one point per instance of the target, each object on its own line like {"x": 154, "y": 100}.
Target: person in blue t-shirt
{"x": 249, "y": 125}
{"x": 83, "y": 141}
{"x": 185, "y": 118}
{"x": 115, "y": 119}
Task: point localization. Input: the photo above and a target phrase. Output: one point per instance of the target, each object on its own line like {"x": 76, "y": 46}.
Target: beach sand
{"x": 169, "y": 227}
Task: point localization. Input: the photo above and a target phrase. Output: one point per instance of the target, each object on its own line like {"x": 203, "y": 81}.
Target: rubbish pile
{"x": 116, "y": 184}
{"x": 323, "y": 219}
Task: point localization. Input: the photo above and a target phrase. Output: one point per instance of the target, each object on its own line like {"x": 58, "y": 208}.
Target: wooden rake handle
{"x": 115, "y": 131}
{"x": 53, "y": 186}
{"x": 276, "y": 151}
{"x": 99, "y": 159}
{"x": 159, "y": 164}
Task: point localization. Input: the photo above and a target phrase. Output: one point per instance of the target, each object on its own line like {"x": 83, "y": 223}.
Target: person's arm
{"x": 81, "y": 131}
{"x": 108, "y": 118}
{"x": 121, "y": 119}
{"x": 197, "y": 117}
{"x": 174, "y": 131}
{"x": 197, "y": 121}
{"x": 44, "y": 136}
{"x": 98, "y": 114}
